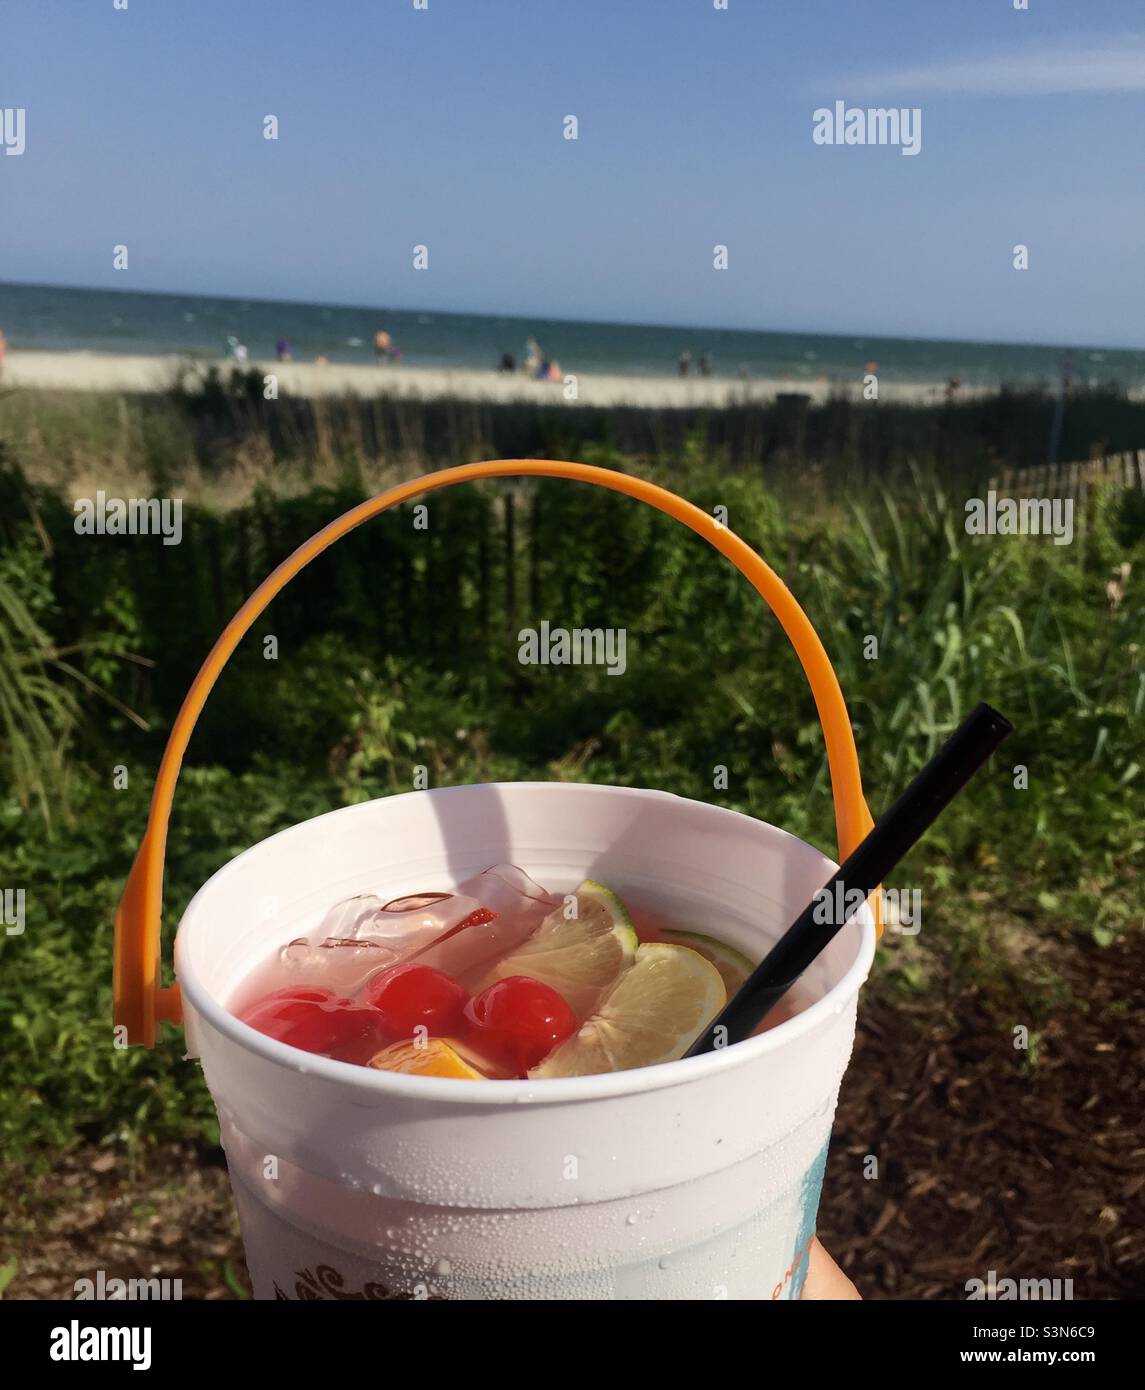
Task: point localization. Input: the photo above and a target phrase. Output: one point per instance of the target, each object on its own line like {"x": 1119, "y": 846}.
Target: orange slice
{"x": 432, "y": 1058}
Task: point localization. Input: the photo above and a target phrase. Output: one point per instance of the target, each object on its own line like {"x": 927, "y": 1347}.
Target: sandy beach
{"x": 111, "y": 372}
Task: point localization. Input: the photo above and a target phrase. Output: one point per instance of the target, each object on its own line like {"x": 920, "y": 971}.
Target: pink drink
{"x": 413, "y": 984}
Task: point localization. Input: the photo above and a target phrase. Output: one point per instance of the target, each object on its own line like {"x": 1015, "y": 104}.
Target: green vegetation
{"x": 399, "y": 648}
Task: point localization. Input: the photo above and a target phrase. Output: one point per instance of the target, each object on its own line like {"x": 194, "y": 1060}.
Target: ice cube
{"x": 362, "y": 935}
{"x": 345, "y": 919}
{"x": 520, "y": 904}
{"x": 506, "y": 889}
{"x": 402, "y": 925}
{"x": 407, "y": 925}
{"x": 340, "y": 963}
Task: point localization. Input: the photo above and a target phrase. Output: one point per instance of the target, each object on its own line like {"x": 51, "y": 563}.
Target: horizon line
{"x": 604, "y": 323}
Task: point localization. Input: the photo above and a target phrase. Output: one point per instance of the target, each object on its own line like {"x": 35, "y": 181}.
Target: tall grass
{"x": 38, "y": 714}
{"x": 43, "y": 683}
{"x": 957, "y": 615}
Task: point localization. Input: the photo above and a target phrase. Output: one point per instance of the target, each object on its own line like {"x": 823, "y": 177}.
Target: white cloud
{"x": 1083, "y": 66}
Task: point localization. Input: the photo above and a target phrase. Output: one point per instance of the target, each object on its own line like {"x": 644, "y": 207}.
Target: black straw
{"x": 860, "y": 874}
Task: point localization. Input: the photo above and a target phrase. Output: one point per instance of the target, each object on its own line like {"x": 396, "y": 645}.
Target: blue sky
{"x": 444, "y": 127}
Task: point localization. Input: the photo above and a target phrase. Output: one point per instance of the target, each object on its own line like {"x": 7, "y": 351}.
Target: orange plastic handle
{"x": 140, "y": 1001}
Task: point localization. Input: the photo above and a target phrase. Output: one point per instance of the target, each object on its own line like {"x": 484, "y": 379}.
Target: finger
{"x": 825, "y": 1280}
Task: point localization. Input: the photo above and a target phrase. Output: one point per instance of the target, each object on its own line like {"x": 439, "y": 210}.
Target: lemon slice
{"x": 653, "y": 1013}
{"x": 733, "y": 965}
{"x": 434, "y": 1058}
{"x": 579, "y": 957}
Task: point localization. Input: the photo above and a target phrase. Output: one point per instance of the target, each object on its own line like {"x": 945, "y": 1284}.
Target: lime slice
{"x": 581, "y": 956}
{"x": 733, "y": 965}
{"x": 653, "y": 1013}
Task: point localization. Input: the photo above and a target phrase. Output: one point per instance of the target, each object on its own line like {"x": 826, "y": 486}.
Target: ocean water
{"x": 46, "y": 317}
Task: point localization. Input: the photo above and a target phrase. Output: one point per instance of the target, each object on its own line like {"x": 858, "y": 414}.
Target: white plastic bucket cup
{"x": 696, "y": 1179}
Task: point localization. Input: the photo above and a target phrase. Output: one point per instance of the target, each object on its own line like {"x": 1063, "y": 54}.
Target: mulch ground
{"x": 987, "y": 1160}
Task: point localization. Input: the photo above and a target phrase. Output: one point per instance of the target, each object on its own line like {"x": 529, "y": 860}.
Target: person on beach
{"x": 3, "y": 351}
{"x": 684, "y": 362}
{"x": 282, "y": 349}
{"x": 383, "y": 345}
{"x": 706, "y": 364}
{"x": 508, "y": 363}
{"x": 533, "y": 357}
